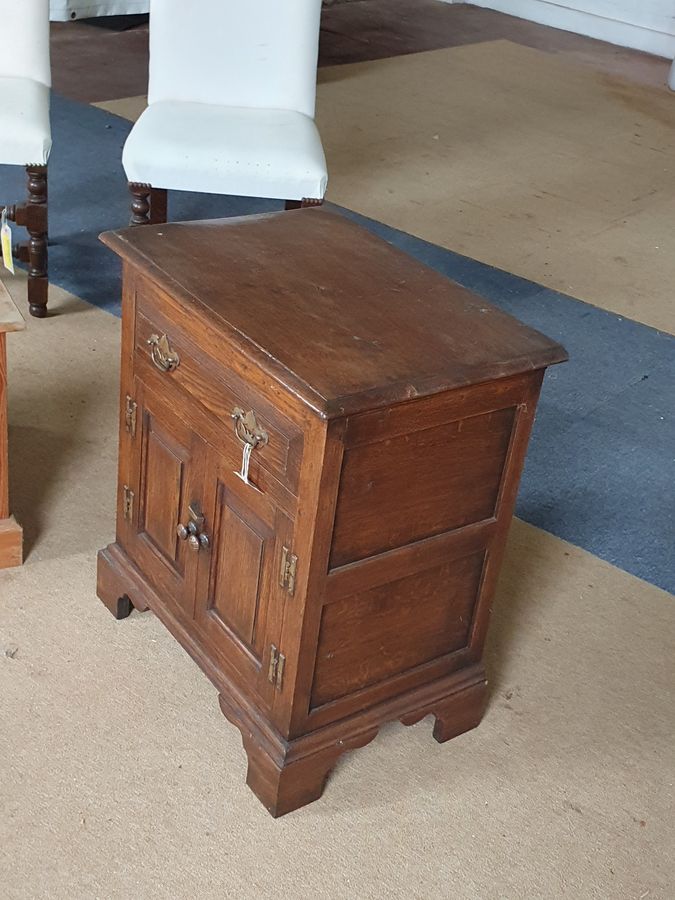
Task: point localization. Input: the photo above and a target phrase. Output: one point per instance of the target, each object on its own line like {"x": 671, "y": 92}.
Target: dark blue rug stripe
{"x": 601, "y": 466}
{"x": 600, "y": 470}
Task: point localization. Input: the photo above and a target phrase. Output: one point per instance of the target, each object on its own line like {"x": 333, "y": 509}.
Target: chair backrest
{"x": 247, "y": 53}
{"x": 24, "y": 39}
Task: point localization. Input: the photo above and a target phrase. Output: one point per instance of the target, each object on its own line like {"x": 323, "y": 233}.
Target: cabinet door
{"x": 240, "y": 600}
{"x": 163, "y": 490}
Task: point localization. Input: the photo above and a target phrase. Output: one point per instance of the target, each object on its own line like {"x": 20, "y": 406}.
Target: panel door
{"x": 240, "y": 600}
{"x": 162, "y": 492}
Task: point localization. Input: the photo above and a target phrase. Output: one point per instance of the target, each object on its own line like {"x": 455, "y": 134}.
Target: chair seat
{"x": 25, "y": 134}
{"x": 271, "y": 153}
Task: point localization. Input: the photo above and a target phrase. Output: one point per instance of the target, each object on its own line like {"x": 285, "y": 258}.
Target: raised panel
{"x": 238, "y": 583}
{"x": 239, "y": 607}
{"x": 368, "y": 637}
{"x": 162, "y": 490}
{"x": 413, "y": 486}
{"x": 164, "y": 472}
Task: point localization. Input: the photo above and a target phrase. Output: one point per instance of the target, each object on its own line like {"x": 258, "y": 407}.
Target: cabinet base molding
{"x": 116, "y": 580}
{"x": 286, "y": 774}
{"x": 11, "y": 543}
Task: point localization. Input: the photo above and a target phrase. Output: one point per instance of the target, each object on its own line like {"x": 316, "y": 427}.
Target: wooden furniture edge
{"x": 10, "y": 316}
{"x": 324, "y": 407}
{"x": 11, "y": 543}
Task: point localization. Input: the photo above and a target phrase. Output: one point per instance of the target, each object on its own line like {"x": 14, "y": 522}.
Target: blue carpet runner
{"x": 601, "y": 466}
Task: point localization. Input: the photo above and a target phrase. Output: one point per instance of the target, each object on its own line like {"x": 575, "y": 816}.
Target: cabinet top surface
{"x": 343, "y": 319}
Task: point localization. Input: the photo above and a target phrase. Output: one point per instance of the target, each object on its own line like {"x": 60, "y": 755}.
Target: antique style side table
{"x": 320, "y": 447}
{"x": 11, "y": 536}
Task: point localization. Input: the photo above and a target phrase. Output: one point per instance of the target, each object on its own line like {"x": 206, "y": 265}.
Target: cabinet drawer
{"x": 188, "y": 376}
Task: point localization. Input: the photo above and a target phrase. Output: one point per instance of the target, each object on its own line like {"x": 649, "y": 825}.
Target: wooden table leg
{"x": 11, "y": 535}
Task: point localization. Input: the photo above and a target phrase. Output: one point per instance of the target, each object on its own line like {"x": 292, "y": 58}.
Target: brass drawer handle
{"x": 163, "y": 355}
{"x": 194, "y": 532}
{"x": 251, "y": 435}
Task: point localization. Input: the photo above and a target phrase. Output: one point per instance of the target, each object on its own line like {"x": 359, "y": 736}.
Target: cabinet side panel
{"x": 416, "y": 485}
{"x": 368, "y": 637}
{"x": 424, "y": 503}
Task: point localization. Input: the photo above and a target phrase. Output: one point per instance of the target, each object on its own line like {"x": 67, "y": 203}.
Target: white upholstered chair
{"x": 231, "y": 96}
{"x": 25, "y": 135}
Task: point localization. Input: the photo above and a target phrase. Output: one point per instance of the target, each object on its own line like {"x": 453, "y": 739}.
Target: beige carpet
{"x": 119, "y": 778}
{"x": 514, "y": 157}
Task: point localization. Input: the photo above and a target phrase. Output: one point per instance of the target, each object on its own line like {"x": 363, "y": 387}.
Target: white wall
{"x": 644, "y": 24}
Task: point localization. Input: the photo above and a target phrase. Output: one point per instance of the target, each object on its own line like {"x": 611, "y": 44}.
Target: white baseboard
{"x": 626, "y": 34}
{"x": 66, "y": 10}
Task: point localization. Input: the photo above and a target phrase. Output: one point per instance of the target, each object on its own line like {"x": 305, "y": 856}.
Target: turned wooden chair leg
{"x": 37, "y": 227}
{"x": 158, "y": 206}
{"x": 302, "y": 204}
{"x": 148, "y": 204}
{"x": 140, "y": 203}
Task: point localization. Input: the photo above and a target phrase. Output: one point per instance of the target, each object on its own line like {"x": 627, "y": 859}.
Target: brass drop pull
{"x": 163, "y": 355}
{"x": 193, "y": 532}
{"x": 251, "y": 435}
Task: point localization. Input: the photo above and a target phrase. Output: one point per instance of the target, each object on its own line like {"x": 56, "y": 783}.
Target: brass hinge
{"x": 289, "y": 565}
{"x": 130, "y": 416}
{"x": 275, "y": 672}
{"x": 128, "y": 503}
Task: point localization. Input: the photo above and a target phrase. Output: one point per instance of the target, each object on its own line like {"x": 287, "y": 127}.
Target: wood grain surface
{"x": 346, "y": 578}
{"x": 346, "y": 321}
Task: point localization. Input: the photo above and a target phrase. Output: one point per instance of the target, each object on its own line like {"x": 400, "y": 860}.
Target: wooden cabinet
{"x": 11, "y": 534}
{"x": 320, "y": 446}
